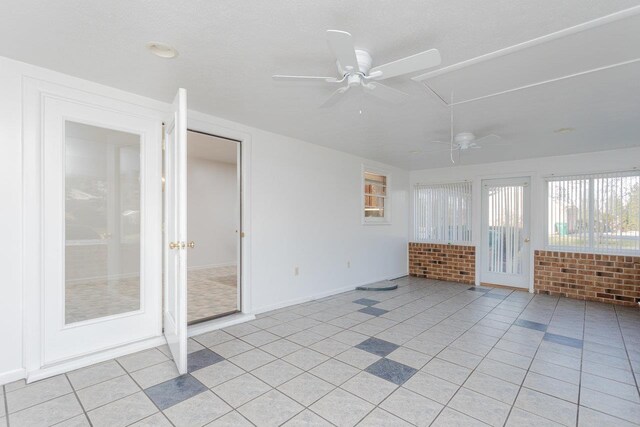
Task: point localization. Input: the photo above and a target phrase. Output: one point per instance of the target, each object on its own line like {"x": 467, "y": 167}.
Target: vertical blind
{"x": 505, "y": 219}
{"x": 598, "y": 212}
{"x": 442, "y": 212}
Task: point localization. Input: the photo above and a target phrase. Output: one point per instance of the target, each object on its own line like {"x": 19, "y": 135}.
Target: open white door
{"x": 175, "y": 232}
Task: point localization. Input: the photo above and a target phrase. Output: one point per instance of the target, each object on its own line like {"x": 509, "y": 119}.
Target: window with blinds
{"x": 442, "y": 213}
{"x": 596, "y": 212}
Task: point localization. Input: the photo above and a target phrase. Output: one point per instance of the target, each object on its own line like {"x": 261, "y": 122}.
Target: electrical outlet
{"x": 296, "y": 271}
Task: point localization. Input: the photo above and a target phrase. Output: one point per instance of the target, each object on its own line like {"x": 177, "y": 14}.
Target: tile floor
{"x": 431, "y": 353}
{"x": 211, "y": 292}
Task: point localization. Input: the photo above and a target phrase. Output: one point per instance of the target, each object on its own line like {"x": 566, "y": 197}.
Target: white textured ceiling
{"x": 229, "y": 50}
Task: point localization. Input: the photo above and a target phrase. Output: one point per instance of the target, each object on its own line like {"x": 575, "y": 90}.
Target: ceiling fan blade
{"x": 341, "y": 43}
{"x": 419, "y": 61}
{"x": 285, "y": 78}
{"x": 440, "y": 142}
{"x": 335, "y": 97}
{"x": 491, "y": 138}
{"x": 385, "y": 92}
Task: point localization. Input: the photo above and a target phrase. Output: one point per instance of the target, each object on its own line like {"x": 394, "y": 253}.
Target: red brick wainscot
{"x": 605, "y": 278}
{"x": 453, "y": 263}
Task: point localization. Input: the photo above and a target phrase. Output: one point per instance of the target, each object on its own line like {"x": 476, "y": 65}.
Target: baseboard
{"x": 91, "y": 359}
{"x": 320, "y": 295}
{"x": 219, "y": 323}
{"x": 204, "y": 267}
{"x": 11, "y": 376}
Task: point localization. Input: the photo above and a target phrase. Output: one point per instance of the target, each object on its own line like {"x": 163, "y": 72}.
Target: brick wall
{"x": 605, "y": 278}
{"x": 453, "y": 263}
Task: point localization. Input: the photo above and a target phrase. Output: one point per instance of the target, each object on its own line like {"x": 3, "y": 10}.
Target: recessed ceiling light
{"x": 162, "y": 50}
{"x": 564, "y": 130}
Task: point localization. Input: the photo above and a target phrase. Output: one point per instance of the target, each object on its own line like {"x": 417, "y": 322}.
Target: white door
{"x": 175, "y": 232}
{"x": 505, "y": 232}
{"x": 101, "y": 193}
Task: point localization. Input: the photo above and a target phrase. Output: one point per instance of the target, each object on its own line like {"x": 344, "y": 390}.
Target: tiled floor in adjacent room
{"x": 211, "y": 292}
{"x": 428, "y": 353}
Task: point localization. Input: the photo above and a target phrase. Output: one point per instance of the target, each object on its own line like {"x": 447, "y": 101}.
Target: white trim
{"x": 93, "y": 358}
{"x": 219, "y": 323}
{"x": 11, "y": 376}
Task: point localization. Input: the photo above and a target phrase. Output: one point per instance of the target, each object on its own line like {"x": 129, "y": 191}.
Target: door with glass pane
{"x": 101, "y": 229}
{"x": 505, "y": 247}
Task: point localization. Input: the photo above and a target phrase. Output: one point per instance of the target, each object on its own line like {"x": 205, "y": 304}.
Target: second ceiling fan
{"x": 354, "y": 70}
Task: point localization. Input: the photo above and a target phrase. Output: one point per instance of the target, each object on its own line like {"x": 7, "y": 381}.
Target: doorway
{"x": 213, "y": 222}
{"x": 505, "y": 250}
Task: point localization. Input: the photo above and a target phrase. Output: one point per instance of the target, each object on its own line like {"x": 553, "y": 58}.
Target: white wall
{"x": 304, "y": 212}
{"x": 537, "y": 169}
{"x": 212, "y": 213}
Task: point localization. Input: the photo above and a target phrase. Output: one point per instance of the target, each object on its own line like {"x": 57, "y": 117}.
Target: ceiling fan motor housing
{"x": 364, "y": 63}
{"x": 464, "y": 140}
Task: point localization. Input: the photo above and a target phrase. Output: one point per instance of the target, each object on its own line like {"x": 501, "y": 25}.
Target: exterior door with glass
{"x": 505, "y": 248}
{"x": 101, "y": 240}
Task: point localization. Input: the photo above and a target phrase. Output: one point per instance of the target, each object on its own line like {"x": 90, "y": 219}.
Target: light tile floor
{"x": 432, "y": 353}
{"x": 211, "y": 292}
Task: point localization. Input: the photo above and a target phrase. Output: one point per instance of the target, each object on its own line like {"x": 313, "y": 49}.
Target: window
{"x": 376, "y": 197}
{"x": 442, "y": 213}
{"x": 596, "y": 212}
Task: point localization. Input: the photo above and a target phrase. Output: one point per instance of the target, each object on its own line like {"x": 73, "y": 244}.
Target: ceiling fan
{"x": 467, "y": 140}
{"x": 354, "y": 70}
{"x": 462, "y": 141}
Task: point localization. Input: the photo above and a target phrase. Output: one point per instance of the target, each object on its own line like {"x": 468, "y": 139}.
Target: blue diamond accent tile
{"x": 174, "y": 391}
{"x": 531, "y": 325}
{"x": 201, "y": 359}
{"x": 561, "y": 339}
{"x": 478, "y": 289}
{"x": 374, "y": 311}
{"x": 366, "y": 301}
{"x": 377, "y": 346}
{"x": 391, "y": 371}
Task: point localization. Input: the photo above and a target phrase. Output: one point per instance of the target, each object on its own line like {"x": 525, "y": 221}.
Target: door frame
{"x": 35, "y": 91}
{"x": 481, "y": 253}
{"x": 239, "y": 231}
{"x": 198, "y": 122}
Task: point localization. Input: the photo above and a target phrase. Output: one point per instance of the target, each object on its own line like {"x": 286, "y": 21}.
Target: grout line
{"x": 141, "y": 390}
{"x": 626, "y": 350}
{"x": 409, "y": 294}
{"x": 86, "y": 415}
{"x": 529, "y": 367}
{"x": 5, "y": 402}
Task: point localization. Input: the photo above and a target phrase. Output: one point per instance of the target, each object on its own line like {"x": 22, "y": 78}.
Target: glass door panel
{"x": 102, "y": 222}
{"x": 505, "y": 232}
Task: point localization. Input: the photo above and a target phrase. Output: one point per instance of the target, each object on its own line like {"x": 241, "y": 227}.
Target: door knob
{"x": 191, "y": 244}
{"x": 174, "y": 245}
{"x": 527, "y": 240}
